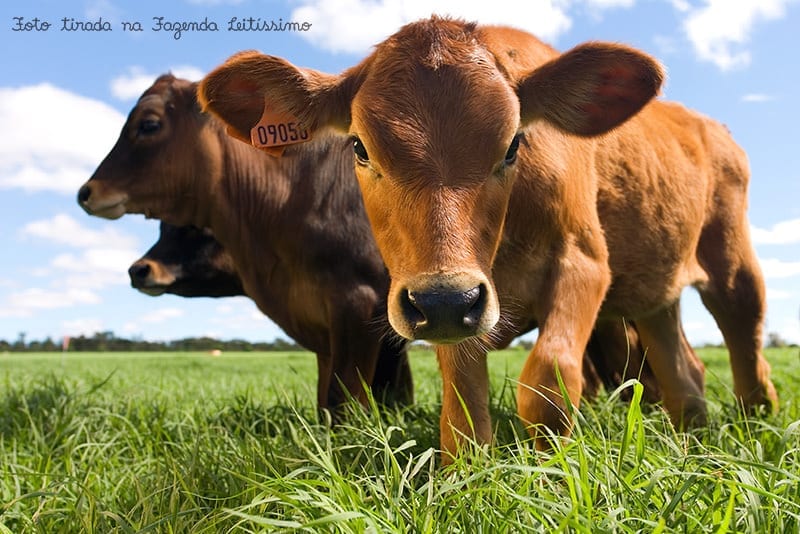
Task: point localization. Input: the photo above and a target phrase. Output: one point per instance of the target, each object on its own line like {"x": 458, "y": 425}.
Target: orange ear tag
{"x": 275, "y": 131}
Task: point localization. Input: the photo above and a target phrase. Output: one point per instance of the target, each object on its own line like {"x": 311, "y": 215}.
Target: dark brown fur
{"x": 189, "y": 262}
{"x": 186, "y": 261}
{"x": 296, "y": 233}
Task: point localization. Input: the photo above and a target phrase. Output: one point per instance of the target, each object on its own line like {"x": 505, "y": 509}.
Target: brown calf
{"x": 149, "y": 170}
{"x": 296, "y": 232}
{"x": 507, "y": 184}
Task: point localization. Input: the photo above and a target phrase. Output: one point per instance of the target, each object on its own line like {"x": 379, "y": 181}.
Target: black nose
{"x": 139, "y": 272}
{"x": 84, "y": 193}
{"x": 444, "y": 314}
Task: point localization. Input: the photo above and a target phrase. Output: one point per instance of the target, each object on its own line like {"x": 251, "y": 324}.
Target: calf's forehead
{"x": 165, "y": 92}
{"x": 430, "y": 90}
{"x": 149, "y": 105}
{"x": 168, "y": 87}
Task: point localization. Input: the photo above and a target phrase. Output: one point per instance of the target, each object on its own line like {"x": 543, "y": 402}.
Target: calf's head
{"x": 152, "y": 167}
{"x": 437, "y": 127}
{"x": 186, "y": 261}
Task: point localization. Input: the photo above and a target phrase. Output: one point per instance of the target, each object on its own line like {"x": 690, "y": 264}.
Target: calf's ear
{"x": 238, "y": 90}
{"x": 590, "y": 89}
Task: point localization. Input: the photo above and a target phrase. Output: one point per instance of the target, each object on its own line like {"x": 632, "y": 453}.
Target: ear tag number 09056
{"x": 275, "y": 131}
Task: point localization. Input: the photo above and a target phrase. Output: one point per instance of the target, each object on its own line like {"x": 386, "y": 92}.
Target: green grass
{"x": 190, "y": 443}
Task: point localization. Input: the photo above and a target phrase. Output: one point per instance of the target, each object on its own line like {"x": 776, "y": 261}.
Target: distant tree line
{"x": 108, "y": 342}
{"x": 774, "y": 341}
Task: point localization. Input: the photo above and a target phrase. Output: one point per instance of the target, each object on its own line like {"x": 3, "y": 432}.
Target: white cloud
{"x": 131, "y": 328}
{"x": 720, "y": 30}
{"x": 782, "y": 233}
{"x": 778, "y": 294}
{"x": 666, "y": 45}
{"x": 700, "y": 332}
{"x": 607, "y": 4}
{"x": 775, "y": 268}
{"x": 789, "y": 329}
{"x": 65, "y": 230}
{"x": 595, "y": 9}
{"x": 82, "y": 327}
{"x": 143, "y": 325}
{"x": 8, "y": 283}
{"x": 52, "y": 139}
{"x": 697, "y": 326}
{"x": 77, "y": 277}
{"x": 354, "y": 26}
{"x": 102, "y": 261}
{"x": 681, "y": 5}
{"x": 241, "y": 314}
{"x": 24, "y": 303}
{"x": 43, "y": 176}
{"x": 756, "y": 97}
{"x": 161, "y": 314}
{"x": 136, "y": 80}
{"x": 94, "y": 268}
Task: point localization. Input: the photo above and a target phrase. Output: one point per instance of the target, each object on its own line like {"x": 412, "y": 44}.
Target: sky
{"x": 64, "y": 96}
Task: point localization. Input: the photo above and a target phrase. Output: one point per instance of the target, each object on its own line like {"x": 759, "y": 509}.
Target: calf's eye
{"x": 511, "y": 154}
{"x": 361, "y": 153}
{"x": 149, "y": 126}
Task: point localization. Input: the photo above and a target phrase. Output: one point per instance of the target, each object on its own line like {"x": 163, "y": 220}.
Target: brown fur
{"x": 271, "y": 208}
{"x": 583, "y": 224}
{"x": 576, "y": 226}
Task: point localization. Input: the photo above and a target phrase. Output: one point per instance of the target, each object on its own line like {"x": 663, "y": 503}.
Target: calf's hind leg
{"x": 678, "y": 371}
{"x": 735, "y": 296}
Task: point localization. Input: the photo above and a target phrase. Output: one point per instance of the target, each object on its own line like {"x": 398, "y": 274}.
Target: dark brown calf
{"x": 186, "y": 261}
{"x": 508, "y": 184}
{"x": 296, "y": 232}
{"x": 189, "y": 262}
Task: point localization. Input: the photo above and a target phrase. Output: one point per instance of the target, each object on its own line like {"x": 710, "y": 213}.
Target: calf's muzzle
{"x": 139, "y": 273}
{"x": 83, "y": 194}
{"x": 444, "y": 314}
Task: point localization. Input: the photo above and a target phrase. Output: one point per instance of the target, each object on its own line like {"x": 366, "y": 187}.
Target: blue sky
{"x": 64, "y": 96}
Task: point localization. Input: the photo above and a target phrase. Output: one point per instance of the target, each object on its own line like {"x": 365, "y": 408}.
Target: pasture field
{"x": 186, "y": 442}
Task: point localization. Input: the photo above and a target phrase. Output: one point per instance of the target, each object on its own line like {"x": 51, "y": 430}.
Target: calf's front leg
{"x": 465, "y": 398}
{"x": 567, "y": 313}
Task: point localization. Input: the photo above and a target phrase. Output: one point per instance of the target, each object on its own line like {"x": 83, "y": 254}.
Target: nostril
{"x": 412, "y": 311}
{"x": 84, "y": 193}
{"x": 139, "y": 271}
{"x": 476, "y": 304}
